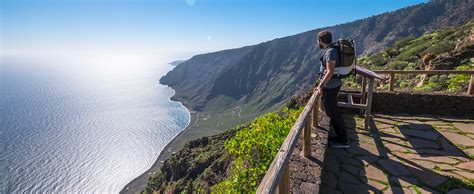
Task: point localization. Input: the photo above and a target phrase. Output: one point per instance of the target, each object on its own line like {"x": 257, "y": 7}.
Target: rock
{"x": 309, "y": 188}
{"x": 394, "y": 168}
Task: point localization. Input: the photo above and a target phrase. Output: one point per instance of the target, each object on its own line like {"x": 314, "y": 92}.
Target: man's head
{"x": 324, "y": 38}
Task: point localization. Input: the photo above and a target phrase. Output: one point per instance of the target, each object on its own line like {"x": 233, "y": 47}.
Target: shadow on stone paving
{"x": 369, "y": 166}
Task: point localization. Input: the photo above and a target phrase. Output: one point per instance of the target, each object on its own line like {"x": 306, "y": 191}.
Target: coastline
{"x": 139, "y": 183}
{"x": 191, "y": 132}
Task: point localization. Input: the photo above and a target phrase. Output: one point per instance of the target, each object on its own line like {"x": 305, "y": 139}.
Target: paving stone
{"x": 404, "y": 181}
{"x": 469, "y": 151}
{"x": 373, "y": 172}
{"x": 329, "y": 190}
{"x": 396, "y": 147}
{"x": 450, "y": 148}
{"x": 386, "y": 120}
{"x": 425, "y": 164}
{"x": 348, "y": 178}
{"x": 432, "y": 152}
{"x": 424, "y": 190}
{"x": 392, "y": 139}
{"x": 420, "y": 126}
{"x": 458, "y": 139}
{"x": 331, "y": 164}
{"x": 421, "y": 143}
{"x": 446, "y": 167}
{"x": 441, "y": 159}
{"x": 367, "y": 159}
{"x": 397, "y": 190}
{"x": 381, "y": 125}
{"x": 351, "y": 161}
{"x": 394, "y": 168}
{"x": 354, "y": 188}
{"x": 466, "y": 165}
{"x": 464, "y": 173}
{"x": 460, "y": 191}
{"x": 363, "y": 148}
{"x": 330, "y": 179}
{"x": 465, "y": 127}
{"x": 351, "y": 169}
{"x": 376, "y": 186}
{"x": 428, "y": 177}
{"x": 431, "y": 135}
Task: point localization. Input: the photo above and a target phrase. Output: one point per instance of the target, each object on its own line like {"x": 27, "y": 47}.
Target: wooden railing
{"x": 392, "y": 74}
{"x": 277, "y": 178}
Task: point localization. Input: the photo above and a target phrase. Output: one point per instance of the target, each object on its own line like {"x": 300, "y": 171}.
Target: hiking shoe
{"x": 339, "y": 145}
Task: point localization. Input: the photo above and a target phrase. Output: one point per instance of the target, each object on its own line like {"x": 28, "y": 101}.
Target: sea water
{"x": 72, "y": 126}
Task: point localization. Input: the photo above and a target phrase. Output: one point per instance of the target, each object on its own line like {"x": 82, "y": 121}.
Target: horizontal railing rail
{"x": 392, "y": 73}
{"x": 277, "y": 178}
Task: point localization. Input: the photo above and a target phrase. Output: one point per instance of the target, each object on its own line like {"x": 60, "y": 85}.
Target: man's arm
{"x": 330, "y": 68}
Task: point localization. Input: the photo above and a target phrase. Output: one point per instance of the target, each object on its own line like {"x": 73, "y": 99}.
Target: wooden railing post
{"x": 391, "y": 81}
{"x": 369, "y": 103}
{"x": 307, "y": 139}
{"x": 471, "y": 83}
{"x": 284, "y": 185}
{"x": 315, "y": 115}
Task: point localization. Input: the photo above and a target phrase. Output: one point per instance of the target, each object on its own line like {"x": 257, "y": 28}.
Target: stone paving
{"x": 402, "y": 154}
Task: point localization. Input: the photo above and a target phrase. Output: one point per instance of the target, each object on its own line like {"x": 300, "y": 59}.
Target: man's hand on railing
{"x": 318, "y": 89}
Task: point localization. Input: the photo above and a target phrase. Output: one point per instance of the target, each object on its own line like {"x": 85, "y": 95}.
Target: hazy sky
{"x": 171, "y": 29}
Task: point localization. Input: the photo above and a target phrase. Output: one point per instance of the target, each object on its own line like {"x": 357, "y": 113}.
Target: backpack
{"x": 347, "y": 59}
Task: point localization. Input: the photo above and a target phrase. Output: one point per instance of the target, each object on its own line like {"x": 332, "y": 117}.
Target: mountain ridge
{"x": 260, "y": 77}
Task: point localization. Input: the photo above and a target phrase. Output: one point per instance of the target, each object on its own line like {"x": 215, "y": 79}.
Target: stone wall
{"x": 423, "y": 103}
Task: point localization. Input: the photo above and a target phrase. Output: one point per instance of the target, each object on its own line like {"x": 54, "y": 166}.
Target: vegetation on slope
{"x": 234, "y": 161}
{"x": 446, "y": 49}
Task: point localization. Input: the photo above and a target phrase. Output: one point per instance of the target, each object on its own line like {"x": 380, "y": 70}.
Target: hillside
{"x": 216, "y": 163}
{"x": 446, "y": 49}
{"x": 259, "y": 78}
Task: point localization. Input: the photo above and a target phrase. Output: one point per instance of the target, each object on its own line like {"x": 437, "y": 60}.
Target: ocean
{"x": 82, "y": 126}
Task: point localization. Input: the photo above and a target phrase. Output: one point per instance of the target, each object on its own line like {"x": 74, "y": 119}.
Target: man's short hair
{"x": 325, "y": 36}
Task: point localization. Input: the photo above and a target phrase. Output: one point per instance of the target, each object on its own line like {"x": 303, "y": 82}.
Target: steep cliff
{"x": 257, "y": 78}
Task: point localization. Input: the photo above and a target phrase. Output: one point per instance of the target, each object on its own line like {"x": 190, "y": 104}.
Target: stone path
{"x": 402, "y": 154}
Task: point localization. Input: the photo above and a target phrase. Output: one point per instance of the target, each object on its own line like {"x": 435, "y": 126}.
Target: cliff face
{"x": 267, "y": 74}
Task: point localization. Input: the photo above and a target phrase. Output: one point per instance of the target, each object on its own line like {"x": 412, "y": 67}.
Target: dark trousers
{"x": 330, "y": 106}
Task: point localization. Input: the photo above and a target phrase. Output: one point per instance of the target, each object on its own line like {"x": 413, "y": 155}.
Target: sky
{"x": 170, "y": 29}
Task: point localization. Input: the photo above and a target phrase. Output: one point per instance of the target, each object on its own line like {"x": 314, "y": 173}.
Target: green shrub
{"x": 253, "y": 149}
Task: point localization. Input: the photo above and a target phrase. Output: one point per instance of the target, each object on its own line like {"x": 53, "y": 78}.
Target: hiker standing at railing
{"x": 329, "y": 87}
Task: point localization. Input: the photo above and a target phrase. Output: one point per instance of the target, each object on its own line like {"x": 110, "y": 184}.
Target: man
{"x": 329, "y": 87}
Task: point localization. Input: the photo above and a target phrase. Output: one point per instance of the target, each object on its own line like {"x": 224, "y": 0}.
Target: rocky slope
{"x": 260, "y": 77}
